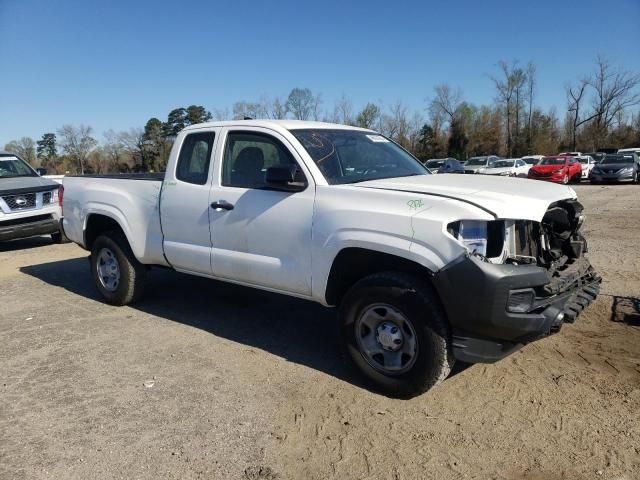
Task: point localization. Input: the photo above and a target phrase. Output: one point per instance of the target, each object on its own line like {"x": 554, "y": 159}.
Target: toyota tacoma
{"x": 424, "y": 269}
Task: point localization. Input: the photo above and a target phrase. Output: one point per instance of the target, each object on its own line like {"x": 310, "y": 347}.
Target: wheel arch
{"x": 352, "y": 264}
{"x": 99, "y": 223}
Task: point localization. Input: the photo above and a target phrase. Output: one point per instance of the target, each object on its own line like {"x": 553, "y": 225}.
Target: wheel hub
{"x": 108, "y": 270}
{"x": 389, "y": 336}
{"x": 386, "y": 338}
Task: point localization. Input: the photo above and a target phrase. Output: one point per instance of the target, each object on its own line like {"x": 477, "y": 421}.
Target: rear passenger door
{"x": 260, "y": 236}
{"x": 184, "y": 202}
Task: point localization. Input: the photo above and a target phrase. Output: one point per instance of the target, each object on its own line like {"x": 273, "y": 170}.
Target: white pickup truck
{"x": 425, "y": 268}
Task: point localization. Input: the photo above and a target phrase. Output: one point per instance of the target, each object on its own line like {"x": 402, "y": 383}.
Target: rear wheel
{"x": 117, "y": 274}
{"x": 395, "y": 334}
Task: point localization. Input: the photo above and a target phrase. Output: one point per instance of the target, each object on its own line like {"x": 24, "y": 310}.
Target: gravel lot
{"x": 207, "y": 380}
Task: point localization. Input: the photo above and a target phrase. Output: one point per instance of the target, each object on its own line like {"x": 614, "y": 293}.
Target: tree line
{"x": 600, "y": 111}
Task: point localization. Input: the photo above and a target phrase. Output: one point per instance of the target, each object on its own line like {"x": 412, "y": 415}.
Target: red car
{"x": 558, "y": 169}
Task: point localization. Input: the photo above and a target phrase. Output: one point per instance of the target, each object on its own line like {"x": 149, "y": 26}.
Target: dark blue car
{"x": 445, "y": 165}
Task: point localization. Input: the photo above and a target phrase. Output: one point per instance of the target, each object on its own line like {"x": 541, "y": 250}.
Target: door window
{"x": 195, "y": 156}
{"x": 248, "y": 155}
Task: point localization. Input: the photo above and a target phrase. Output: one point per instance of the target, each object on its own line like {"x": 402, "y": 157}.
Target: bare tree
{"x": 531, "y": 90}
{"x": 77, "y": 142}
{"x": 25, "y": 147}
{"x": 575, "y": 97}
{"x": 615, "y": 91}
{"x": 303, "y": 104}
{"x": 343, "y": 111}
{"x": 447, "y": 101}
{"x": 276, "y": 109}
{"x": 505, "y": 89}
{"x": 251, "y": 110}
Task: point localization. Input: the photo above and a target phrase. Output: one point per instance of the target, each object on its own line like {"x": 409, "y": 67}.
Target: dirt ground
{"x": 211, "y": 381}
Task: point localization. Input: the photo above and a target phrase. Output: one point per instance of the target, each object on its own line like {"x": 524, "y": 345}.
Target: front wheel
{"x": 117, "y": 274}
{"x": 565, "y": 180}
{"x": 394, "y": 333}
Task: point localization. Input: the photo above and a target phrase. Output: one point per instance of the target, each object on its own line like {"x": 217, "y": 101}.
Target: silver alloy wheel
{"x": 108, "y": 270}
{"x": 386, "y": 339}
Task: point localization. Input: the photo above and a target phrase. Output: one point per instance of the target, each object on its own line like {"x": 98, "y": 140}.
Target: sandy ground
{"x": 212, "y": 381}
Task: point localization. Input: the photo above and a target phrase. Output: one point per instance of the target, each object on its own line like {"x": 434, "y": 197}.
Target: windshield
{"x": 583, "y": 160}
{"x": 350, "y": 156}
{"x": 14, "y": 167}
{"x": 435, "y": 163}
{"x": 530, "y": 160}
{"x": 552, "y": 161}
{"x": 611, "y": 159}
{"x": 502, "y": 163}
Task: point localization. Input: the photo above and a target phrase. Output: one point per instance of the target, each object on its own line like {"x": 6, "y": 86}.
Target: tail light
{"x": 60, "y": 195}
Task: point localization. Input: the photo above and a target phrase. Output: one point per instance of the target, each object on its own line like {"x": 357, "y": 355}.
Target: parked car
{"x": 476, "y": 164}
{"x": 29, "y": 204}
{"x": 635, "y": 150}
{"x": 558, "y": 169}
{"x": 587, "y": 162}
{"x": 532, "y": 159}
{"x": 597, "y": 156}
{"x": 618, "y": 167}
{"x": 569, "y": 154}
{"x": 507, "y": 167}
{"x": 344, "y": 216}
{"x": 445, "y": 165}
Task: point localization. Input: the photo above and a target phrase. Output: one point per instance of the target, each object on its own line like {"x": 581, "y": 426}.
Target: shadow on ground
{"x": 625, "y": 310}
{"x": 299, "y": 331}
{"x": 25, "y": 244}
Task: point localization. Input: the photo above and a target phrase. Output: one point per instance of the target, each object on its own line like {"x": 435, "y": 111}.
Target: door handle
{"x": 222, "y": 204}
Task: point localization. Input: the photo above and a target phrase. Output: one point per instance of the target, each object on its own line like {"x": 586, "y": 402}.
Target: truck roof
{"x": 277, "y": 125}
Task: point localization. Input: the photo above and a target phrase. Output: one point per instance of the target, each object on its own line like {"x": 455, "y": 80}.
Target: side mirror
{"x": 41, "y": 171}
{"x": 283, "y": 178}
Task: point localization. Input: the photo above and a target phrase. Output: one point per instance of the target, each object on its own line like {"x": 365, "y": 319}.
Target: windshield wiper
{"x": 383, "y": 178}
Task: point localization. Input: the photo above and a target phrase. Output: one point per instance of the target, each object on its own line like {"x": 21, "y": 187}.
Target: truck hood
{"x": 24, "y": 184}
{"x": 507, "y": 198}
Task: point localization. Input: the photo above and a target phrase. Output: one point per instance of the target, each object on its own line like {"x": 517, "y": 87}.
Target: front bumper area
{"x": 28, "y": 227}
{"x": 475, "y": 295}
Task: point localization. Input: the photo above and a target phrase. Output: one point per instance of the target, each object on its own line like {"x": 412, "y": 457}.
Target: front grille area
{"x": 20, "y": 202}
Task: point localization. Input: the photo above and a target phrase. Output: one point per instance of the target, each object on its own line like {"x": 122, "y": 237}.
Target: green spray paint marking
{"x": 415, "y": 204}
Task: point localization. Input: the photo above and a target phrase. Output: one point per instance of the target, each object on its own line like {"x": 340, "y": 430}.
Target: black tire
{"x": 59, "y": 238}
{"x": 132, "y": 273}
{"x": 416, "y": 301}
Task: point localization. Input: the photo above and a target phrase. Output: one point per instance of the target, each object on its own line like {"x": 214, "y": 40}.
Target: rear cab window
{"x": 195, "y": 157}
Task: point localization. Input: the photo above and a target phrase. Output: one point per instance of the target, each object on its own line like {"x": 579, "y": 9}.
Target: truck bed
{"x": 133, "y": 200}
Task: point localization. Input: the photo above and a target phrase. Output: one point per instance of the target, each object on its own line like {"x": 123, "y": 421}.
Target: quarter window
{"x": 247, "y": 157}
{"x": 195, "y": 157}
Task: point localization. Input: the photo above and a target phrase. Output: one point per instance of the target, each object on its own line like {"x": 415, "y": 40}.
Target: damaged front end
{"x": 557, "y": 245}
{"x": 522, "y": 282}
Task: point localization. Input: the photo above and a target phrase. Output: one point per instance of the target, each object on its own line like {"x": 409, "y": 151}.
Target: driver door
{"x": 260, "y": 236}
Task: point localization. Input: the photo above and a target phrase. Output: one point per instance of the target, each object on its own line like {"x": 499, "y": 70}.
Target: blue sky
{"x": 114, "y": 64}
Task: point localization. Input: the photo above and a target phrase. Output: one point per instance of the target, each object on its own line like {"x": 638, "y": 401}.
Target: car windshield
{"x": 476, "y": 161}
{"x": 583, "y": 160}
{"x": 502, "y": 163}
{"x": 14, "y": 167}
{"x": 530, "y": 160}
{"x": 350, "y": 156}
{"x": 552, "y": 161}
{"x": 611, "y": 159}
{"x": 435, "y": 163}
